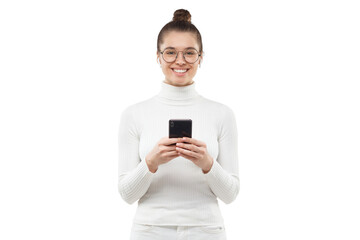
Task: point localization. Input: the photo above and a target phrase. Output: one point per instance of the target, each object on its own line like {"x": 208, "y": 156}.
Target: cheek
{"x": 193, "y": 70}
{"x": 166, "y": 68}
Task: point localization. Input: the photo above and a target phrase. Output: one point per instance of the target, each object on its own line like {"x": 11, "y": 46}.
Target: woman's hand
{"x": 163, "y": 152}
{"x": 195, "y": 151}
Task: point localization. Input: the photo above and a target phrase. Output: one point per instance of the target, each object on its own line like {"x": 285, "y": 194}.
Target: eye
{"x": 191, "y": 52}
{"x": 170, "y": 52}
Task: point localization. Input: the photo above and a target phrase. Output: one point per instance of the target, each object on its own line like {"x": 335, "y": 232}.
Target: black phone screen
{"x": 179, "y": 128}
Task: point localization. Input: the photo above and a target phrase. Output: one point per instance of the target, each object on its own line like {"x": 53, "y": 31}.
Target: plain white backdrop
{"x": 288, "y": 69}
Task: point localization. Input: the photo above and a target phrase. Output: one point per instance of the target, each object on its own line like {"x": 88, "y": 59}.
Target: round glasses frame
{"x": 177, "y": 52}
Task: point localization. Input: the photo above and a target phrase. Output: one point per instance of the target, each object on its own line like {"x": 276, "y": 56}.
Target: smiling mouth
{"x": 179, "y": 70}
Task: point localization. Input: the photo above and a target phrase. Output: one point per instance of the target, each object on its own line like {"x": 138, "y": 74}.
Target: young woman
{"x": 178, "y": 180}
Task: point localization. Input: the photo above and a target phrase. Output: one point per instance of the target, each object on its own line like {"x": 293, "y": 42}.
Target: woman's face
{"x": 180, "y": 41}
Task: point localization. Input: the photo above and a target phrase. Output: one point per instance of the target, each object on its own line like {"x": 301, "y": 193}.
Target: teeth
{"x": 179, "y": 71}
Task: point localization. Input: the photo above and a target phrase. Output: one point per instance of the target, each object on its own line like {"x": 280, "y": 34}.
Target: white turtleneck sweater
{"x": 178, "y": 193}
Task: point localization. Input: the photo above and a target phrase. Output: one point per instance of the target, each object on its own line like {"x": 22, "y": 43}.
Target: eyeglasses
{"x": 190, "y": 55}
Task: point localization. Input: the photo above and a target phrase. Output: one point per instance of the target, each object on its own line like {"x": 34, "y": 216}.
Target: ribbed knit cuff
{"x": 134, "y": 185}
{"x": 214, "y": 170}
{"x": 224, "y": 185}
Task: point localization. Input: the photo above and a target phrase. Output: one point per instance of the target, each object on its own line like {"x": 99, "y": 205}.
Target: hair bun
{"x": 182, "y": 15}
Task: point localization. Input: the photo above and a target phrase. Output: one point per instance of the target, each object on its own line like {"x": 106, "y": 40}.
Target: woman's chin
{"x": 180, "y": 81}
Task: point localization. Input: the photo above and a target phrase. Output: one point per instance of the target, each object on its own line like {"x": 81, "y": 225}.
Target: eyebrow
{"x": 185, "y": 48}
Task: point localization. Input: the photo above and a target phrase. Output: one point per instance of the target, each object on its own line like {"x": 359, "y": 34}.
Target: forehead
{"x": 180, "y": 40}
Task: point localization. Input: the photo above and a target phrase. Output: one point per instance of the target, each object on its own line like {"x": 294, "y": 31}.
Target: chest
{"x": 155, "y": 126}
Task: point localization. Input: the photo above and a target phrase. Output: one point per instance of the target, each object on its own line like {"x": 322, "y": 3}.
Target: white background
{"x": 288, "y": 69}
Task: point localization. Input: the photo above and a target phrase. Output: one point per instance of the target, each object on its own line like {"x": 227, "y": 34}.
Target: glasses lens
{"x": 169, "y": 55}
{"x": 191, "y": 55}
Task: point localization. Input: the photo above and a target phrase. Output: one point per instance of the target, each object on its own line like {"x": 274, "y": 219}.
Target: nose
{"x": 180, "y": 60}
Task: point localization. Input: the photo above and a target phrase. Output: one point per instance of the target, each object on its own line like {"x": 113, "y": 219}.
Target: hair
{"x": 182, "y": 23}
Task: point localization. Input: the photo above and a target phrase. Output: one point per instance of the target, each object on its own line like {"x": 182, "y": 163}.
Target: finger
{"x": 170, "y": 148}
{"x": 172, "y": 154}
{"x": 167, "y": 147}
{"x": 193, "y": 141}
{"x": 188, "y": 146}
{"x": 186, "y": 156}
{"x": 170, "y": 141}
{"x": 187, "y": 152}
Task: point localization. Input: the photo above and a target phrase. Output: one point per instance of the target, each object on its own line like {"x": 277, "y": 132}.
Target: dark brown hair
{"x": 182, "y": 23}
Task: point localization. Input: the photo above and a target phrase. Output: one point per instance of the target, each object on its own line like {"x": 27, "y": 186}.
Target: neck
{"x": 179, "y": 85}
{"x": 178, "y": 95}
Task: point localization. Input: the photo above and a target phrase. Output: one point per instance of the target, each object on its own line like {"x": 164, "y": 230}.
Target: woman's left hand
{"x": 196, "y": 151}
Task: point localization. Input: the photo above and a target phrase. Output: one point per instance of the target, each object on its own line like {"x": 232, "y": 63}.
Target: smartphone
{"x": 179, "y": 128}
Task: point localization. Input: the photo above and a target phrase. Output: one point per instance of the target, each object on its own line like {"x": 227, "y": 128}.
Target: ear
{"x": 201, "y": 57}
{"x": 157, "y": 57}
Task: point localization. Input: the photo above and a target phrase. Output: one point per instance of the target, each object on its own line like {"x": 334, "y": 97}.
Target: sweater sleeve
{"x": 223, "y": 177}
{"x": 134, "y": 177}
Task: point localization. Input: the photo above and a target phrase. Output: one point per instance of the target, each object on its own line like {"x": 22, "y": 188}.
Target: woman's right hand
{"x": 163, "y": 152}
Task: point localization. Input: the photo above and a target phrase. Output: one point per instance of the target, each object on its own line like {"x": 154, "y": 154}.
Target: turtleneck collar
{"x": 178, "y": 95}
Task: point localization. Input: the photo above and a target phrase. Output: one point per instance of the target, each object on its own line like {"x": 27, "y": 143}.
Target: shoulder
{"x": 137, "y": 107}
{"x": 220, "y": 108}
